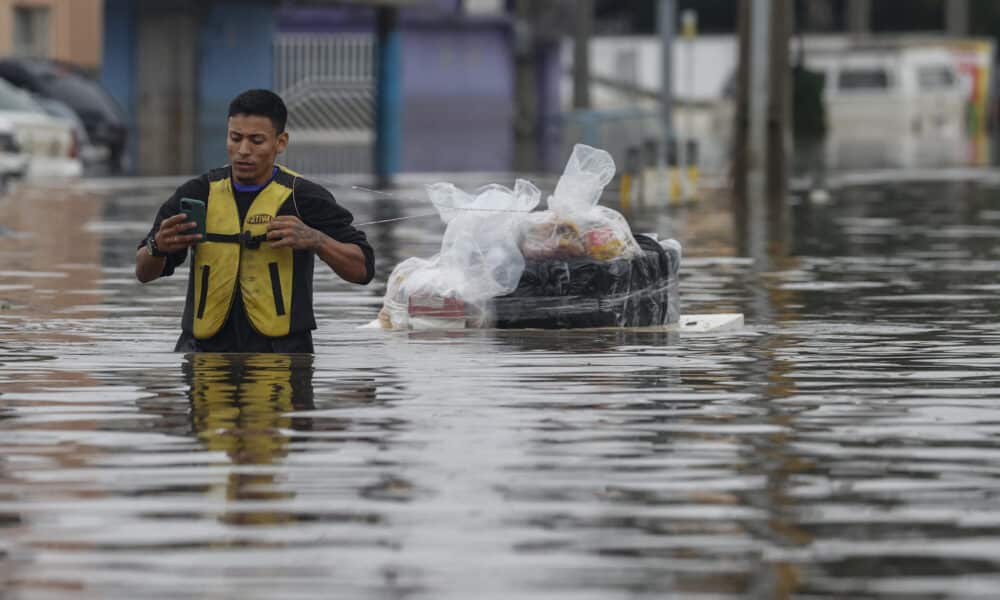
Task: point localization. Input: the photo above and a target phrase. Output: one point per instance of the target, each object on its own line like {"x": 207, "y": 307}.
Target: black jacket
{"x": 317, "y": 208}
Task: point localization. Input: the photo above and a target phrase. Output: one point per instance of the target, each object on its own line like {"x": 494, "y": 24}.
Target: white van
{"x": 901, "y": 106}
{"x": 888, "y": 104}
{"x": 904, "y": 89}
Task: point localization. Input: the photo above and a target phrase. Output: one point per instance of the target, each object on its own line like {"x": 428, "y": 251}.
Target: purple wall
{"x": 458, "y": 90}
{"x": 334, "y": 19}
{"x": 458, "y": 83}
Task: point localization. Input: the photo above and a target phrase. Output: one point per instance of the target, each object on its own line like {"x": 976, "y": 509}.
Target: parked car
{"x": 48, "y": 142}
{"x": 13, "y": 160}
{"x": 88, "y": 152}
{"x": 101, "y": 115}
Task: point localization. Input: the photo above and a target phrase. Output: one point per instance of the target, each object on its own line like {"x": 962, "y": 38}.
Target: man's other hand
{"x": 290, "y": 232}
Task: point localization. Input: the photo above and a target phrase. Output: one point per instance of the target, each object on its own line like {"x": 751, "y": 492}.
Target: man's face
{"x": 253, "y": 146}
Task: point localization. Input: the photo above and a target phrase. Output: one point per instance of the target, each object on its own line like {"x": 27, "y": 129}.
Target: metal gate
{"x": 328, "y": 84}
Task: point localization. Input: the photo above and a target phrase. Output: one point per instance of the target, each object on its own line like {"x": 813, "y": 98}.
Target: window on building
{"x": 31, "y": 31}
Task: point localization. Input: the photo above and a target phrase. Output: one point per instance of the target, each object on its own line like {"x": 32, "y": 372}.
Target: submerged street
{"x": 843, "y": 443}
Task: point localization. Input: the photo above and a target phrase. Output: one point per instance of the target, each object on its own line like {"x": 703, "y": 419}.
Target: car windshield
{"x": 81, "y": 93}
{"x": 12, "y": 98}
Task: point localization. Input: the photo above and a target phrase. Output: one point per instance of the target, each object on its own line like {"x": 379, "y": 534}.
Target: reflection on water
{"x": 239, "y": 402}
{"x": 240, "y": 405}
{"x": 843, "y": 445}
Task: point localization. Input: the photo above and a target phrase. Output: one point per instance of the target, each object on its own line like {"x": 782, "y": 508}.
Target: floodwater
{"x": 844, "y": 444}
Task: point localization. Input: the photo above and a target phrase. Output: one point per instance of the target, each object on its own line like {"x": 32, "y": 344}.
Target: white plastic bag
{"x": 479, "y": 258}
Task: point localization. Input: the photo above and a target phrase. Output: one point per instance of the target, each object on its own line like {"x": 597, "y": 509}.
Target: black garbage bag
{"x": 585, "y": 292}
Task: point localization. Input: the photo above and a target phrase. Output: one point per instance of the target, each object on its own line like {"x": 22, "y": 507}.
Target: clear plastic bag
{"x": 479, "y": 259}
{"x": 575, "y": 225}
{"x": 395, "y": 313}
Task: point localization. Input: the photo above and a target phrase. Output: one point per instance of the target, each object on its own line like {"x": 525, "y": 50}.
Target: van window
{"x": 935, "y": 78}
{"x": 861, "y": 80}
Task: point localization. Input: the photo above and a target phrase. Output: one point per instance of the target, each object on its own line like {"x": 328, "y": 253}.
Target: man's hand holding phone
{"x": 177, "y": 233}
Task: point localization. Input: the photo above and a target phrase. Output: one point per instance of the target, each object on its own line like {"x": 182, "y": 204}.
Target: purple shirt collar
{"x": 239, "y": 187}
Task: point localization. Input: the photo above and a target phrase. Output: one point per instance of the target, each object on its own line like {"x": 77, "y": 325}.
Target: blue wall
{"x": 118, "y": 66}
{"x": 235, "y": 55}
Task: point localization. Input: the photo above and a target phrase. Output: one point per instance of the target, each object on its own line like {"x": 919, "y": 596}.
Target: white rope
{"x": 434, "y": 214}
{"x": 420, "y": 216}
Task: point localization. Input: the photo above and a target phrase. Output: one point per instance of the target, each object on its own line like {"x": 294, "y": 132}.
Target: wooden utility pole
{"x": 779, "y": 125}
{"x": 817, "y": 15}
{"x": 525, "y": 87}
{"x": 859, "y": 16}
{"x": 666, "y": 16}
{"x": 581, "y": 54}
{"x": 762, "y": 134}
{"x": 957, "y": 17}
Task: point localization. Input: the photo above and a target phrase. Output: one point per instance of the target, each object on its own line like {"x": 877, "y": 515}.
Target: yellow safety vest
{"x": 234, "y": 251}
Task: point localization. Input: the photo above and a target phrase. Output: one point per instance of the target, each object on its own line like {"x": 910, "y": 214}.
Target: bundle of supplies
{"x": 576, "y": 264}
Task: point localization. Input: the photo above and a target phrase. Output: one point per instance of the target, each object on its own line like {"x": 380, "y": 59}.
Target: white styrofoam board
{"x": 709, "y": 323}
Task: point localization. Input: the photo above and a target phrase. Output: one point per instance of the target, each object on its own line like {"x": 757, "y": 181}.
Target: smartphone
{"x": 195, "y": 211}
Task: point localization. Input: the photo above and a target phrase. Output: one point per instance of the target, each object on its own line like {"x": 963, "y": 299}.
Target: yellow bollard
{"x": 676, "y": 186}
{"x": 625, "y": 193}
{"x": 693, "y": 174}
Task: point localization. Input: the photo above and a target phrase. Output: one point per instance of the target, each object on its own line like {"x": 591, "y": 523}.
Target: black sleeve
{"x": 195, "y": 188}
{"x": 318, "y": 209}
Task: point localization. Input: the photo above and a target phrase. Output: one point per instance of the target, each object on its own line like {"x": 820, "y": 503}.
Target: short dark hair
{"x": 264, "y": 103}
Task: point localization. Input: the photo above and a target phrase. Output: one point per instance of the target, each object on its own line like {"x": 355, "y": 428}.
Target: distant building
{"x": 457, "y": 86}
{"x": 173, "y": 65}
{"x": 65, "y": 30}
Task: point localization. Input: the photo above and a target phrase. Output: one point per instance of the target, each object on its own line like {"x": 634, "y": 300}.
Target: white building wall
{"x": 700, "y": 69}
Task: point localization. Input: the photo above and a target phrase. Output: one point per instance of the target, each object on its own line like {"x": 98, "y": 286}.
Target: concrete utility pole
{"x": 666, "y": 17}
{"x": 859, "y": 16}
{"x": 760, "y": 81}
{"x": 956, "y": 17}
{"x": 581, "y": 53}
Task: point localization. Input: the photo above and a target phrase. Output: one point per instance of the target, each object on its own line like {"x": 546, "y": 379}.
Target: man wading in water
{"x": 251, "y": 279}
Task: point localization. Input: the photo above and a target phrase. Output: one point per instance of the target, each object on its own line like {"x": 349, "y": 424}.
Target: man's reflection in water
{"x": 240, "y": 405}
